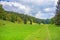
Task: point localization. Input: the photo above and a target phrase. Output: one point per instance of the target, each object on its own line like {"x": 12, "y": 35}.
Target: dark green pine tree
{"x": 57, "y": 16}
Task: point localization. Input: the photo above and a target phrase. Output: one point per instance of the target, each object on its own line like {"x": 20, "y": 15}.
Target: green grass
{"x": 14, "y": 31}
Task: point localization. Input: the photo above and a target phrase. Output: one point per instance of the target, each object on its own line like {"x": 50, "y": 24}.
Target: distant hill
{"x": 17, "y": 17}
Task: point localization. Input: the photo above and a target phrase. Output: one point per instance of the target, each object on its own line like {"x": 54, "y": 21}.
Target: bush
{"x": 1, "y": 23}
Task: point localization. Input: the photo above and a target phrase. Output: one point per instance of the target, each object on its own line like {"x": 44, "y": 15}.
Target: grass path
{"x": 32, "y": 34}
{"x": 48, "y": 33}
{"x": 41, "y": 34}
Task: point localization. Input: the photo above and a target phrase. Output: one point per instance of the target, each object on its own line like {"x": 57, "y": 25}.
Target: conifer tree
{"x": 57, "y": 16}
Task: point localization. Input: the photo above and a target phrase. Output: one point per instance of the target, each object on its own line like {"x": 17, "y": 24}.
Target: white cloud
{"x": 39, "y": 2}
{"x": 33, "y": 1}
{"x": 6, "y": 3}
{"x": 18, "y": 5}
{"x": 39, "y": 15}
{"x": 47, "y": 9}
{"x": 44, "y": 15}
{"x": 52, "y": 15}
{"x": 50, "y": 9}
{"x": 14, "y": 4}
{"x": 27, "y": 8}
{"x": 55, "y": 2}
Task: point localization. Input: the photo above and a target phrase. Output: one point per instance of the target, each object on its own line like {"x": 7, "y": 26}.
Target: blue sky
{"x": 43, "y": 9}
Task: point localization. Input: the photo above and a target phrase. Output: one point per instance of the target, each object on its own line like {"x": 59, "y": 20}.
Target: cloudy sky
{"x": 42, "y": 9}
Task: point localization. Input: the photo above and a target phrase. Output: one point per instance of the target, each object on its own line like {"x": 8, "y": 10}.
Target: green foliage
{"x": 2, "y": 23}
{"x": 25, "y": 21}
{"x": 18, "y": 17}
{"x": 57, "y": 16}
{"x": 52, "y": 20}
{"x": 13, "y": 18}
{"x": 19, "y": 20}
{"x": 30, "y": 21}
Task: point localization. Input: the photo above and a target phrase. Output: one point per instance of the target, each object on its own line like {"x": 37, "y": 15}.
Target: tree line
{"x": 21, "y": 18}
{"x": 16, "y": 17}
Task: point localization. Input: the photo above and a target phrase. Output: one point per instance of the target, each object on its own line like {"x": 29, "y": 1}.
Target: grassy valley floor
{"x": 14, "y": 31}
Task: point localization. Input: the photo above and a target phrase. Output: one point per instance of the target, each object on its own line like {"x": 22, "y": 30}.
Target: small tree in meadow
{"x": 30, "y": 21}
{"x": 25, "y": 21}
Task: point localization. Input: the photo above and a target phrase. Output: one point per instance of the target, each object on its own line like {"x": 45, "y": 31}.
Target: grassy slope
{"x": 14, "y": 31}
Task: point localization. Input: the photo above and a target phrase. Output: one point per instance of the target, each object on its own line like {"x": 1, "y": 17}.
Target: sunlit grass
{"x": 15, "y": 31}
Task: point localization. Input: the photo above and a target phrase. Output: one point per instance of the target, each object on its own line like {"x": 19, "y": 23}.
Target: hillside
{"x": 17, "y": 17}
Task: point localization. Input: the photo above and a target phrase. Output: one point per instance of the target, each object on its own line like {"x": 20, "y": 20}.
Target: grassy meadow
{"x": 15, "y": 31}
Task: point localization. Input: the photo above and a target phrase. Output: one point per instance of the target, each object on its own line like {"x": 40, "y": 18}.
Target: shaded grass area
{"x": 14, "y": 31}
